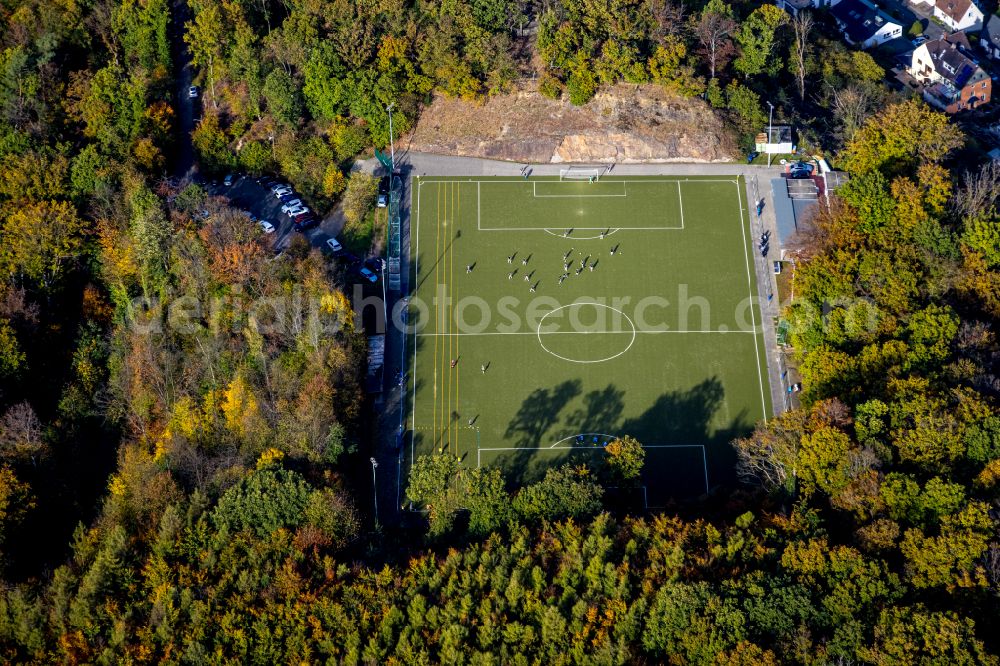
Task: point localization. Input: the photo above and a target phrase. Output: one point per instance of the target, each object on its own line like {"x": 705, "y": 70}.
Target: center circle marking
{"x": 594, "y": 305}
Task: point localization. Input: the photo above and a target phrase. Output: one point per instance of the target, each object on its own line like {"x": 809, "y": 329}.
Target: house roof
{"x": 954, "y": 9}
{"x": 991, "y": 31}
{"x": 951, "y": 64}
{"x": 859, "y": 19}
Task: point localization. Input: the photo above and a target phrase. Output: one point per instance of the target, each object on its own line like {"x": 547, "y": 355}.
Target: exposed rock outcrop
{"x": 622, "y": 123}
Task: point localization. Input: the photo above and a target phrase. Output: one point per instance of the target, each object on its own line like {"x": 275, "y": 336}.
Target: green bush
{"x": 581, "y": 85}
{"x": 549, "y": 86}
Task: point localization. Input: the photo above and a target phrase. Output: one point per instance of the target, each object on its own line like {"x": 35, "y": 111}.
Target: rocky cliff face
{"x": 622, "y": 123}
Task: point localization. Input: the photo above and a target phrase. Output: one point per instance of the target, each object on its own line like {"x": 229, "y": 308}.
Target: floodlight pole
{"x": 392, "y": 149}
{"x": 770, "y": 118}
{"x": 374, "y": 493}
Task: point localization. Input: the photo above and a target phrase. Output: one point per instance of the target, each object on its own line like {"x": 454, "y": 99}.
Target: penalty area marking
{"x": 704, "y": 456}
{"x": 479, "y": 216}
{"x": 574, "y": 237}
{"x": 534, "y": 191}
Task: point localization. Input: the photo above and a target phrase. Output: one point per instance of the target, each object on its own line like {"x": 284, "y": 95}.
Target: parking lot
{"x": 247, "y": 194}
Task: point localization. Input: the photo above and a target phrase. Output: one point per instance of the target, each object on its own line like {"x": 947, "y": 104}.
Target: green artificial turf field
{"x": 659, "y": 340}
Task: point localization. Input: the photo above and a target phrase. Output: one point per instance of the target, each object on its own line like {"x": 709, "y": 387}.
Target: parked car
{"x": 368, "y": 274}
{"x": 383, "y": 185}
{"x": 334, "y": 245}
{"x": 228, "y": 180}
{"x": 266, "y": 226}
{"x": 193, "y": 92}
{"x": 290, "y": 205}
{"x": 800, "y": 170}
{"x": 281, "y": 191}
{"x": 920, "y": 39}
{"x": 382, "y": 201}
{"x": 297, "y": 210}
{"x": 306, "y": 223}
{"x": 752, "y": 155}
{"x": 277, "y": 185}
{"x": 266, "y": 181}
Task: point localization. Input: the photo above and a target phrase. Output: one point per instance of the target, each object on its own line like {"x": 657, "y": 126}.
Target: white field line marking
{"x": 479, "y": 218}
{"x": 589, "y": 448}
{"x": 680, "y": 203}
{"x": 629, "y": 179}
{"x": 651, "y": 332}
{"x": 753, "y": 318}
{"x": 704, "y": 462}
{"x": 534, "y": 192}
{"x": 575, "y": 237}
{"x": 416, "y": 275}
{"x": 549, "y": 229}
{"x": 585, "y": 434}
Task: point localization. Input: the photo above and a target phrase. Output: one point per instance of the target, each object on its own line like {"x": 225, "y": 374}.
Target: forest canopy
{"x": 179, "y": 471}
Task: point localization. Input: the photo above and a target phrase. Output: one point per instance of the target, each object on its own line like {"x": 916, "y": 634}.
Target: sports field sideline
{"x": 553, "y": 315}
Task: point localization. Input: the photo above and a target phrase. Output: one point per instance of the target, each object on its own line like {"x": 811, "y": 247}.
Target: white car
{"x": 382, "y": 201}
{"x": 298, "y": 210}
{"x": 294, "y": 203}
{"x": 266, "y": 226}
{"x": 334, "y": 245}
{"x": 282, "y": 191}
{"x": 193, "y": 92}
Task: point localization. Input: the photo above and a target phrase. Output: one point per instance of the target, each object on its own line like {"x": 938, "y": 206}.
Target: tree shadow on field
{"x": 600, "y": 412}
{"x": 685, "y": 417}
{"x": 679, "y": 417}
{"x": 539, "y": 412}
{"x": 676, "y": 419}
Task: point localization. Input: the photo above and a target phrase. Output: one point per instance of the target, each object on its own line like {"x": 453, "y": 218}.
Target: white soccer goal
{"x": 581, "y": 173}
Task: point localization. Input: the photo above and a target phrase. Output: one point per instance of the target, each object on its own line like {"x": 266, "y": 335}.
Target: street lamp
{"x": 392, "y": 149}
{"x": 374, "y": 493}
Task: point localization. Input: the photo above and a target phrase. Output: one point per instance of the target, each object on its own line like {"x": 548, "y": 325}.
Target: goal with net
{"x": 581, "y": 173}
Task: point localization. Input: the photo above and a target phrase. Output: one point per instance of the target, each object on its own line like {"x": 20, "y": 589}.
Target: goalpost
{"x": 591, "y": 174}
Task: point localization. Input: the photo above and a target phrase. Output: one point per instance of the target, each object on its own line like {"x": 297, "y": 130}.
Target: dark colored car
{"x": 800, "y": 170}
{"x": 383, "y": 185}
{"x": 306, "y": 222}
{"x": 752, "y": 155}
